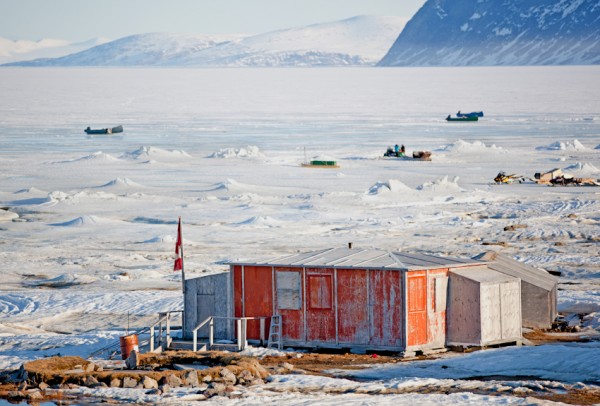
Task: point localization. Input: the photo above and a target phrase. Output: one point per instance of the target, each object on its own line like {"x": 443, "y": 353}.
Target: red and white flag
{"x": 178, "y": 265}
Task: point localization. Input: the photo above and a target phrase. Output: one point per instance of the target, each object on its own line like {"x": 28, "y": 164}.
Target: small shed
{"x": 538, "y": 289}
{"x": 208, "y": 296}
{"x": 484, "y": 308}
{"x": 349, "y": 298}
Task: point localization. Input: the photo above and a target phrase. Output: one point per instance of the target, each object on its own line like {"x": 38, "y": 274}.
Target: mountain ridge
{"x": 499, "y": 32}
{"x": 361, "y": 40}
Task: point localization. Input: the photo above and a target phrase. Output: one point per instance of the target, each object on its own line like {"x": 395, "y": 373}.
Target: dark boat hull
{"x": 474, "y": 118}
{"x": 113, "y": 130}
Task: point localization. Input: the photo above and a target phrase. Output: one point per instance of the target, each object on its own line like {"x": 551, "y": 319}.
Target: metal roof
{"x": 527, "y": 273}
{"x": 364, "y": 258}
{"x": 483, "y": 274}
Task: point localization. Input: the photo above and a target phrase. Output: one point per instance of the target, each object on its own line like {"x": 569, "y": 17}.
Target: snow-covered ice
{"x": 88, "y": 225}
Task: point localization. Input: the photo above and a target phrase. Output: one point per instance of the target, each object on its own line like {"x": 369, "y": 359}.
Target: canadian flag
{"x": 178, "y": 265}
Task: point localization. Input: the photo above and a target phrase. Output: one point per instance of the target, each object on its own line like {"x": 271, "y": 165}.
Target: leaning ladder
{"x": 275, "y": 332}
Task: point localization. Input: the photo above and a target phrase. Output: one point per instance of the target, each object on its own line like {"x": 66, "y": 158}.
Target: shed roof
{"x": 483, "y": 275}
{"x": 527, "y": 273}
{"x": 365, "y": 258}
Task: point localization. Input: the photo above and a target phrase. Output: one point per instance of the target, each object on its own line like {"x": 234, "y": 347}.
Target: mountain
{"x": 499, "y": 32}
{"x": 11, "y": 51}
{"x": 361, "y": 40}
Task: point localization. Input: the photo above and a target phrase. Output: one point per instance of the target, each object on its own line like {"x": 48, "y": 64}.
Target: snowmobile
{"x": 502, "y": 177}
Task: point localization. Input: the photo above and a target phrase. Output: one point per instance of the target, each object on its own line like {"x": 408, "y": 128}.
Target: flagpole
{"x": 182, "y": 262}
{"x": 180, "y": 254}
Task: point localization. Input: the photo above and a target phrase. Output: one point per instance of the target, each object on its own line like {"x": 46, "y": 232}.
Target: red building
{"x": 349, "y": 298}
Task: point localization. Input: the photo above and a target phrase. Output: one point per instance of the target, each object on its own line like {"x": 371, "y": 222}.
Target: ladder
{"x": 275, "y": 332}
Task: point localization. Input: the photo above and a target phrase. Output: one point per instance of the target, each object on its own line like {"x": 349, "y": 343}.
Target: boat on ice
{"x": 113, "y": 130}
{"x": 464, "y": 118}
{"x": 471, "y": 114}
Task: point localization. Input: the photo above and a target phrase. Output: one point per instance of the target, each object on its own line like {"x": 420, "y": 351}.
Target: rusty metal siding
{"x": 352, "y": 298}
{"x": 293, "y": 319}
{"x": 385, "y": 308}
{"x": 320, "y": 309}
{"x": 417, "y": 308}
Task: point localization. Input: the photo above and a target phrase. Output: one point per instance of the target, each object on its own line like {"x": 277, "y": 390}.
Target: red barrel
{"x": 128, "y": 343}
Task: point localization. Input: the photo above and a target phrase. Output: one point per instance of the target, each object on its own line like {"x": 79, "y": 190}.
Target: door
{"x": 417, "y": 309}
{"x": 320, "y": 309}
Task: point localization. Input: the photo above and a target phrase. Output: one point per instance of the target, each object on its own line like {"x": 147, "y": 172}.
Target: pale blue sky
{"x": 78, "y": 20}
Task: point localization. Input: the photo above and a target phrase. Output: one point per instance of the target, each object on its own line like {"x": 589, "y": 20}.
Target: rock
{"x": 202, "y": 387}
{"x": 132, "y": 362}
{"x": 207, "y": 378}
{"x": 172, "y": 380}
{"x": 190, "y": 378}
{"x": 22, "y": 375}
{"x": 43, "y": 386}
{"x": 287, "y": 366}
{"x": 115, "y": 383}
{"x": 211, "y": 392}
{"x": 90, "y": 381}
{"x": 228, "y": 376}
{"x": 164, "y": 388}
{"x": 217, "y": 386}
{"x": 129, "y": 382}
{"x": 149, "y": 383}
{"x": 91, "y": 367}
{"x": 22, "y": 386}
{"x": 154, "y": 391}
{"x": 34, "y": 395}
{"x": 99, "y": 385}
{"x": 245, "y": 376}
{"x": 256, "y": 381}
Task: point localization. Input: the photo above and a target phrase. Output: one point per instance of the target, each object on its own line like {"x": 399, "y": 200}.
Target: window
{"x": 289, "y": 292}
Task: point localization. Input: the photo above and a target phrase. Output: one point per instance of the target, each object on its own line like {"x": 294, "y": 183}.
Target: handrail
{"x": 163, "y": 317}
{"x": 242, "y": 324}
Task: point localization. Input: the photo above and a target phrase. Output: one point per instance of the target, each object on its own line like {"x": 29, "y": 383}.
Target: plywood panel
{"x": 436, "y": 312}
{"x": 464, "y": 311}
{"x": 417, "y": 309}
{"x": 386, "y": 311}
{"x": 491, "y": 319}
{"x": 258, "y": 299}
{"x": 511, "y": 309}
{"x": 320, "y": 312}
{"x": 353, "y": 317}
{"x": 292, "y": 319}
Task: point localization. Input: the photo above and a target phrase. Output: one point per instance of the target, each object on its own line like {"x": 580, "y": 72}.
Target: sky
{"x": 78, "y": 20}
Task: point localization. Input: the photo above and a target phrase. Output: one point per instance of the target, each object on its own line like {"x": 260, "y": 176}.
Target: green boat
{"x": 464, "y": 118}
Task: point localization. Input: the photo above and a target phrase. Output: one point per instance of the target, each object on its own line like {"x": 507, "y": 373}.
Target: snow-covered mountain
{"x": 11, "y": 51}
{"x": 500, "y": 32}
{"x": 361, "y": 40}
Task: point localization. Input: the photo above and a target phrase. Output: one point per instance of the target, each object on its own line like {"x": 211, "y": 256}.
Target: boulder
{"x": 149, "y": 383}
{"x": 129, "y": 382}
{"x": 190, "y": 378}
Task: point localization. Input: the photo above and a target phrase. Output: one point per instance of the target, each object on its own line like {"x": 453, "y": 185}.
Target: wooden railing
{"x": 163, "y": 338}
{"x": 241, "y": 324}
